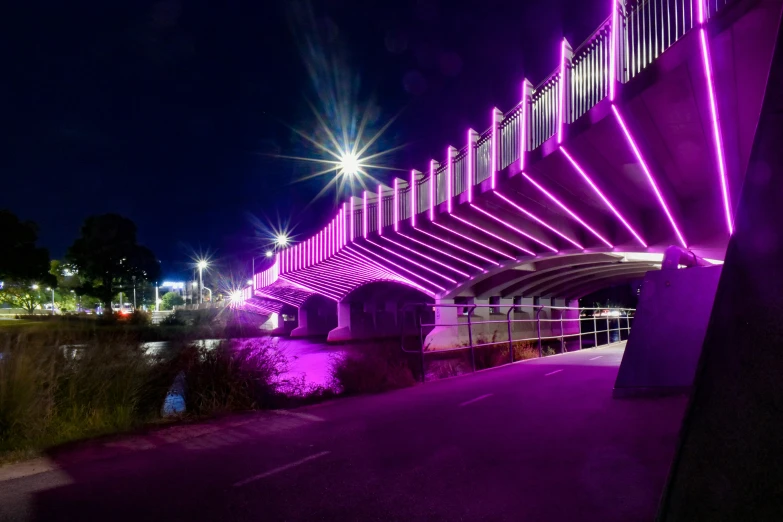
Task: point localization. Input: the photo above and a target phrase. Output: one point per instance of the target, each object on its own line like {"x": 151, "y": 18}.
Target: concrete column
{"x": 272, "y": 323}
{"x": 343, "y": 330}
{"x": 445, "y": 334}
{"x": 301, "y": 328}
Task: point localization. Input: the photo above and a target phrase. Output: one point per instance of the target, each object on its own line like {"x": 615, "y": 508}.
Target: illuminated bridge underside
{"x": 639, "y": 140}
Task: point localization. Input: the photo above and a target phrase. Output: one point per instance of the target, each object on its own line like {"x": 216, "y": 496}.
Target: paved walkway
{"x": 542, "y": 440}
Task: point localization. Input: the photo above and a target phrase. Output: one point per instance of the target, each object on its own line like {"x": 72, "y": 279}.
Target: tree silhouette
{"x": 23, "y": 265}
{"x": 107, "y": 257}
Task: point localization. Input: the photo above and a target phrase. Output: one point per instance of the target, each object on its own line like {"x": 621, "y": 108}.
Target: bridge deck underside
{"x": 631, "y": 176}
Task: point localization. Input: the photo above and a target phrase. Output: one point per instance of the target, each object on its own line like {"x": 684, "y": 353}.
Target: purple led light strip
{"x": 432, "y": 190}
{"x": 493, "y": 162}
{"x": 391, "y": 275}
{"x": 491, "y": 234}
{"x": 396, "y": 206}
{"x": 515, "y": 229}
{"x": 380, "y": 210}
{"x": 479, "y": 243}
{"x": 364, "y": 215}
{"x": 523, "y": 128}
{"x": 398, "y": 266}
{"x": 352, "y": 219}
{"x": 413, "y": 198}
{"x": 570, "y": 213}
{"x": 538, "y": 220}
{"x": 463, "y": 249}
{"x": 561, "y": 93}
{"x": 470, "y": 165}
{"x": 449, "y": 170}
{"x": 724, "y": 182}
{"x": 612, "y": 50}
{"x": 428, "y": 258}
{"x": 422, "y": 243}
{"x": 411, "y": 261}
{"x": 602, "y": 196}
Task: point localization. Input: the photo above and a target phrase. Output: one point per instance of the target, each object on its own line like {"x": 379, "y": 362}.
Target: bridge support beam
{"x": 446, "y": 333}
{"x": 671, "y": 321}
{"x": 727, "y": 465}
{"x": 343, "y": 330}
{"x": 314, "y": 320}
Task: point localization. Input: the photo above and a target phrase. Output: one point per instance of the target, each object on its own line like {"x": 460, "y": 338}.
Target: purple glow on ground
{"x": 602, "y": 196}
{"x": 650, "y": 178}
{"x": 724, "y": 182}
{"x": 458, "y": 247}
{"x": 515, "y": 229}
{"x": 570, "y": 213}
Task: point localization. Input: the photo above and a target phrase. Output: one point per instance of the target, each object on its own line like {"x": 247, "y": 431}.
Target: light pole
{"x": 157, "y": 301}
{"x": 134, "y": 292}
{"x": 52, "y": 289}
{"x": 201, "y": 266}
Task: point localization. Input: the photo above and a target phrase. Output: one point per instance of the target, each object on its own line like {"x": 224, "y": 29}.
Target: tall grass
{"x": 373, "y": 367}
{"x": 52, "y": 391}
{"x": 57, "y": 387}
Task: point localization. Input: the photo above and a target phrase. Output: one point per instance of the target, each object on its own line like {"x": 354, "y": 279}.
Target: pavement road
{"x": 541, "y": 440}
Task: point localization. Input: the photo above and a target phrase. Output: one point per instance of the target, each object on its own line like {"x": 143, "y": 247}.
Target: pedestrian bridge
{"x": 638, "y": 140}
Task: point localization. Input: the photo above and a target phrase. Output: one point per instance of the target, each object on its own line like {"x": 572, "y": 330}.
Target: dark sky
{"x": 167, "y": 112}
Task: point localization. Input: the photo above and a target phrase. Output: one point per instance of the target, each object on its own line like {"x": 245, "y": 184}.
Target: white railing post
{"x": 470, "y": 162}
{"x": 524, "y": 125}
{"x": 566, "y": 54}
{"x": 451, "y": 153}
{"x": 414, "y": 195}
{"x": 497, "y": 117}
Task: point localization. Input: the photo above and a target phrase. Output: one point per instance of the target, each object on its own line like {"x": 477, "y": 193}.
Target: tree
{"x": 107, "y": 256}
{"x": 24, "y": 267}
{"x": 170, "y": 300}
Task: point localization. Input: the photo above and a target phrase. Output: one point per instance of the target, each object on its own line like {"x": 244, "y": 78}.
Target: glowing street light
{"x": 269, "y": 253}
{"x": 52, "y": 290}
{"x": 349, "y": 164}
{"x": 202, "y": 264}
{"x": 281, "y": 239}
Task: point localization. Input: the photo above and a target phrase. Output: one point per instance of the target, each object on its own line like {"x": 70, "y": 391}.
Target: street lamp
{"x": 349, "y": 164}
{"x": 281, "y": 239}
{"x": 52, "y": 289}
{"x": 202, "y": 264}
{"x": 269, "y": 253}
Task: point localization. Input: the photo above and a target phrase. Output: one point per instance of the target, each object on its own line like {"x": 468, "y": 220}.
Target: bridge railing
{"x": 519, "y": 333}
{"x": 645, "y": 29}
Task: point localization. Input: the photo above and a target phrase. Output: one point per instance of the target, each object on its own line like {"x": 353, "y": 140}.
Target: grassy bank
{"x": 59, "y": 385}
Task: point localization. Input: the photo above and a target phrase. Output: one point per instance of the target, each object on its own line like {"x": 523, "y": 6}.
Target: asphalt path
{"x": 541, "y": 440}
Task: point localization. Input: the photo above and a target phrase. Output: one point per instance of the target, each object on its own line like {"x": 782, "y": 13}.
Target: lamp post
{"x": 134, "y": 292}
{"x": 52, "y": 289}
{"x": 201, "y": 266}
{"x": 157, "y": 301}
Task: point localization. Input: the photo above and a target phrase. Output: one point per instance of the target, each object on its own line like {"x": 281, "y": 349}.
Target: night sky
{"x": 170, "y": 112}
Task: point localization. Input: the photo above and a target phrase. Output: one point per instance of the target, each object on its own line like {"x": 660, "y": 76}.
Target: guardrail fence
{"x": 485, "y": 337}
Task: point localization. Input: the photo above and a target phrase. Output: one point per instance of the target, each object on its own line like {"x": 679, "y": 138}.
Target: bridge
{"x": 638, "y": 140}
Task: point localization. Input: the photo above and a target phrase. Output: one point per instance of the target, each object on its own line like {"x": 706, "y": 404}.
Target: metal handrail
{"x": 626, "y": 313}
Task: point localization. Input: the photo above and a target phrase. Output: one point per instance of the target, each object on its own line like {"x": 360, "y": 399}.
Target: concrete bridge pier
{"x": 316, "y": 316}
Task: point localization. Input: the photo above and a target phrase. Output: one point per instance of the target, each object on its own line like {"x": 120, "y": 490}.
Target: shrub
{"x": 235, "y": 375}
{"x": 371, "y": 368}
{"x": 53, "y": 392}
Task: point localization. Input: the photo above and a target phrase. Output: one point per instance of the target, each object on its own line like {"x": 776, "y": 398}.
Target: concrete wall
{"x": 668, "y": 331}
